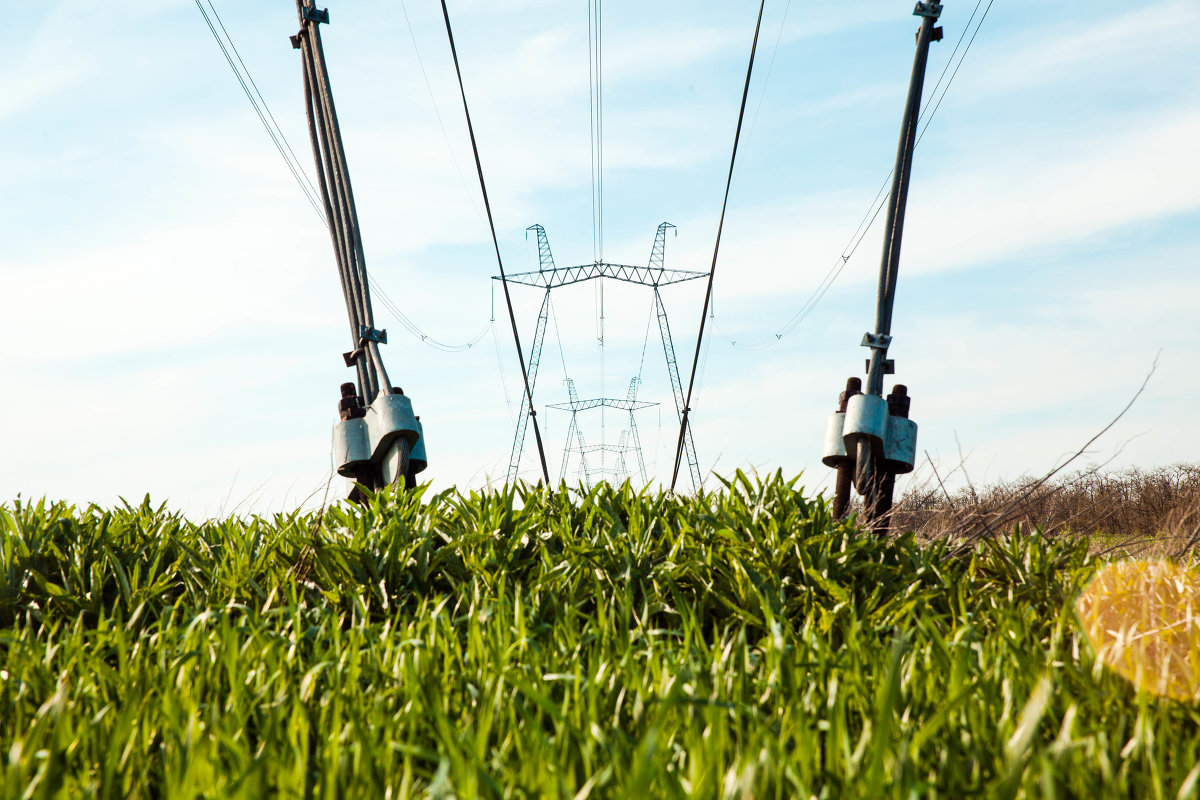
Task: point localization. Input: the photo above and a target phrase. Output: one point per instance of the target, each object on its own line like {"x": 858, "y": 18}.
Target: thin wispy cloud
{"x": 172, "y": 297}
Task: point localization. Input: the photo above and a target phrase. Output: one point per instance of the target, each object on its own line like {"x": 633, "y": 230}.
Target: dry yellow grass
{"x": 1143, "y": 619}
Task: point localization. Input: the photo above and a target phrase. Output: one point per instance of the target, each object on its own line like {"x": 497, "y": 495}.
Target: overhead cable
{"x": 334, "y": 178}
{"x": 500, "y": 371}
{"x": 294, "y": 158}
{"x": 433, "y": 100}
{"x": 967, "y": 49}
{"x": 880, "y": 200}
{"x": 496, "y": 244}
{"x": 311, "y": 193}
{"x": 415, "y": 330}
{"x": 770, "y": 69}
{"x": 596, "y": 118}
{"x": 263, "y": 111}
{"x": 712, "y": 270}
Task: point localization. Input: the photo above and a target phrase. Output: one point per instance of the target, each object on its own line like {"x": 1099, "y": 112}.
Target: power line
{"x": 877, "y": 204}
{"x": 500, "y": 370}
{"x": 429, "y": 88}
{"x": 266, "y": 107}
{"x": 960, "y": 61}
{"x": 953, "y": 52}
{"x": 558, "y": 337}
{"x": 496, "y": 244}
{"x": 646, "y": 338}
{"x": 712, "y": 271}
{"x": 600, "y": 123}
{"x": 276, "y": 134}
{"x": 263, "y": 110}
{"x": 770, "y": 69}
{"x": 416, "y": 331}
{"x": 596, "y": 120}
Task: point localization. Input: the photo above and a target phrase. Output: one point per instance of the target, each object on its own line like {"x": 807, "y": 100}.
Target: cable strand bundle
{"x": 334, "y": 179}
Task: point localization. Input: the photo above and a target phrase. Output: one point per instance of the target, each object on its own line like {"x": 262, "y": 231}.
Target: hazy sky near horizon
{"x": 172, "y": 322}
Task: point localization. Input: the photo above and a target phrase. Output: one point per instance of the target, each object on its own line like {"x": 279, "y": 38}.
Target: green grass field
{"x": 742, "y": 644}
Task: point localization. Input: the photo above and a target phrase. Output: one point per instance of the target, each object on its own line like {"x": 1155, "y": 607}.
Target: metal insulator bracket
{"x": 351, "y": 447}
{"x": 900, "y": 446}
{"x": 931, "y": 9}
{"x": 417, "y": 461}
{"x": 889, "y": 366}
{"x": 313, "y": 14}
{"x": 389, "y": 418}
{"x": 835, "y": 454}
{"x": 876, "y": 341}
{"x": 368, "y": 334}
{"x": 866, "y": 417}
{"x": 879, "y": 341}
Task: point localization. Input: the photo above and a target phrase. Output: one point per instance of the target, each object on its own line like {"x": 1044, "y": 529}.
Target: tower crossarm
{"x": 562, "y": 276}
{"x": 607, "y": 402}
{"x": 607, "y": 448}
{"x": 609, "y": 472}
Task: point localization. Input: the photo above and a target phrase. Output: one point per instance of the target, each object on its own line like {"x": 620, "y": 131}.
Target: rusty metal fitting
{"x": 899, "y": 401}
{"x": 853, "y": 387}
{"x": 349, "y": 407}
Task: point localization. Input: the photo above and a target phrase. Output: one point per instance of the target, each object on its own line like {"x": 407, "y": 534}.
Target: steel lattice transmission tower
{"x": 655, "y": 275}
{"x": 629, "y": 441}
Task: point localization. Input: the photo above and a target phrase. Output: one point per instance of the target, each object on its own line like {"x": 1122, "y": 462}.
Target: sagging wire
{"x": 417, "y": 332}
{"x": 496, "y": 244}
{"x": 712, "y": 270}
{"x": 432, "y": 99}
{"x": 340, "y": 210}
{"x": 263, "y": 110}
{"x": 877, "y": 204}
{"x": 596, "y": 119}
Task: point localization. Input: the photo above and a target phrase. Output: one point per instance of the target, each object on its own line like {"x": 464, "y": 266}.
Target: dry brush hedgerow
{"x": 1133, "y": 511}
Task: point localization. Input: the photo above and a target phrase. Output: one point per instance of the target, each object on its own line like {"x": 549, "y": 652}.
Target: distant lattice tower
{"x": 655, "y": 275}
{"x": 629, "y": 440}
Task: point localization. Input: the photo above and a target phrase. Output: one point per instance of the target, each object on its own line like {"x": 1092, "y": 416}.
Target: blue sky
{"x": 173, "y": 323}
